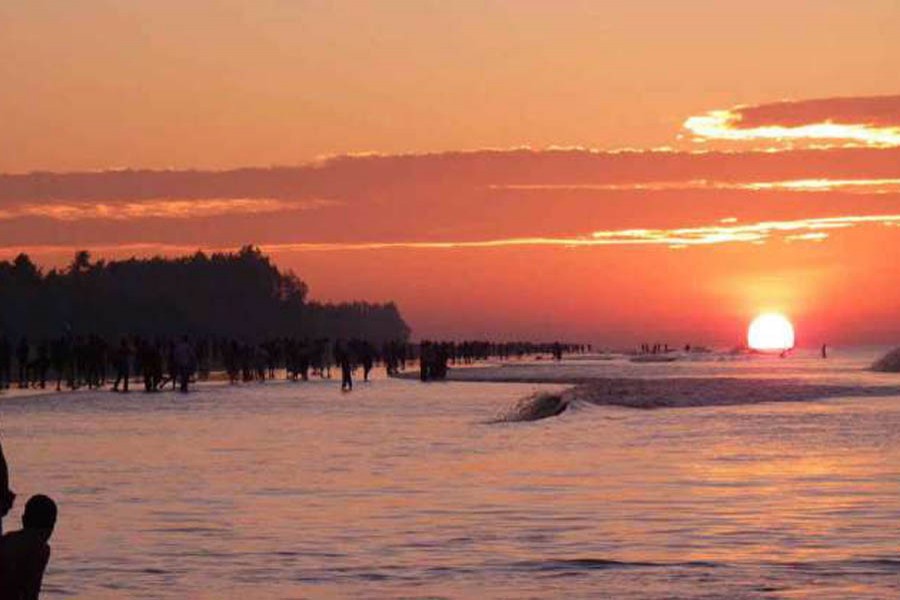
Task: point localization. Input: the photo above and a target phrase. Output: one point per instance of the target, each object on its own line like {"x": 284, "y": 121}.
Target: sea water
{"x": 404, "y": 489}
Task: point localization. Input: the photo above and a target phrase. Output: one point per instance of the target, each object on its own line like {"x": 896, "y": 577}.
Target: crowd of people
{"x": 75, "y": 361}
{"x": 92, "y": 362}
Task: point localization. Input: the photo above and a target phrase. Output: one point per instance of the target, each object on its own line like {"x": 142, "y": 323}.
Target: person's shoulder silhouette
{"x": 24, "y": 554}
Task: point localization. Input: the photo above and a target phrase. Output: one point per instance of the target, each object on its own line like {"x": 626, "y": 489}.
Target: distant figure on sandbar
{"x": 24, "y": 554}
{"x": 824, "y": 351}
{"x": 7, "y": 497}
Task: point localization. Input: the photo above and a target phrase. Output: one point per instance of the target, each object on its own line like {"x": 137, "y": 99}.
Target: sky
{"x": 606, "y": 172}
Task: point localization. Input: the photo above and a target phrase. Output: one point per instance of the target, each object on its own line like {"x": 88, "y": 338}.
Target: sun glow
{"x": 772, "y": 332}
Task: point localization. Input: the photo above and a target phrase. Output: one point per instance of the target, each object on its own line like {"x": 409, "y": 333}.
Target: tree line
{"x": 239, "y": 295}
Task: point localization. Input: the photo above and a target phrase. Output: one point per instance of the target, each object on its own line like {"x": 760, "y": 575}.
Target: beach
{"x": 404, "y": 489}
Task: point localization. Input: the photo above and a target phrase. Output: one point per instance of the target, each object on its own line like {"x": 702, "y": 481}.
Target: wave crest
{"x": 889, "y": 363}
{"x": 537, "y": 406}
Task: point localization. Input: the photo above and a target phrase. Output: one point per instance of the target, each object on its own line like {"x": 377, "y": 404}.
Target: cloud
{"x": 157, "y": 209}
{"x": 725, "y": 231}
{"x": 728, "y": 232}
{"x": 861, "y": 186}
{"x": 866, "y": 121}
{"x": 354, "y": 180}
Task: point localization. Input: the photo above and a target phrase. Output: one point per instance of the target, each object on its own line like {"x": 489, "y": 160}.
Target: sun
{"x": 770, "y": 331}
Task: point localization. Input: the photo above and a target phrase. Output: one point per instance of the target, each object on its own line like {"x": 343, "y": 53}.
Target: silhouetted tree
{"x": 240, "y": 295}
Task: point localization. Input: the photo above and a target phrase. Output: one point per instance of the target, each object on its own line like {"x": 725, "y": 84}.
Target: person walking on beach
{"x": 24, "y": 554}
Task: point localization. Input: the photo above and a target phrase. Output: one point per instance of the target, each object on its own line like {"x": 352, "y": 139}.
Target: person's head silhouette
{"x": 40, "y": 515}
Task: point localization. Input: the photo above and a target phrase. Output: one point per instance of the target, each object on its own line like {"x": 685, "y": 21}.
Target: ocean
{"x": 401, "y": 489}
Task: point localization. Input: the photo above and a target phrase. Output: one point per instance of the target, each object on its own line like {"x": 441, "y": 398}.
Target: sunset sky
{"x": 609, "y": 172}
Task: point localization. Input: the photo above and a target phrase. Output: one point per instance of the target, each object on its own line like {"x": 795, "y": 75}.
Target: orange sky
{"x": 591, "y": 244}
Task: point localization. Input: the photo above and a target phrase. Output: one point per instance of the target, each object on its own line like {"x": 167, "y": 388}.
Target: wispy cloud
{"x": 872, "y": 121}
{"x": 356, "y": 179}
{"x": 862, "y": 186}
{"x": 161, "y": 209}
{"x": 724, "y": 231}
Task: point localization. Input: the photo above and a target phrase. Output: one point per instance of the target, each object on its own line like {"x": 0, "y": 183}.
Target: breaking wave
{"x": 889, "y": 363}
{"x": 683, "y": 392}
{"x": 535, "y": 407}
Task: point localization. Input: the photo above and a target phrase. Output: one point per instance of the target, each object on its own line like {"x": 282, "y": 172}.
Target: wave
{"x": 592, "y": 564}
{"x": 683, "y": 392}
{"x": 845, "y": 567}
{"x": 889, "y": 363}
{"x": 537, "y": 406}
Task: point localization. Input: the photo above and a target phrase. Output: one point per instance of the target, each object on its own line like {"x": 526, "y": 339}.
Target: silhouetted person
{"x": 303, "y": 361}
{"x": 5, "y": 362}
{"x": 122, "y": 364}
{"x": 172, "y": 365}
{"x": 22, "y": 352}
{"x": 24, "y": 554}
{"x": 367, "y": 361}
{"x": 426, "y": 359}
{"x": 342, "y": 356}
{"x": 58, "y": 360}
{"x": 824, "y": 351}
{"x": 42, "y": 364}
{"x": 185, "y": 363}
{"x": 557, "y": 351}
{"x": 145, "y": 358}
{"x": 7, "y": 497}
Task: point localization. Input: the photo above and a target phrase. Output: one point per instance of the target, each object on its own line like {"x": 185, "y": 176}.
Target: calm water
{"x": 402, "y": 489}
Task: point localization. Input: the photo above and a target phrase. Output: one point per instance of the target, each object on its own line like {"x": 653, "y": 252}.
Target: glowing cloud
{"x": 725, "y": 232}
{"x": 752, "y": 232}
{"x": 851, "y": 121}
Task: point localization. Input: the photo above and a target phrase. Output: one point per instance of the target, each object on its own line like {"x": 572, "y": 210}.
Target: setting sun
{"x": 770, "y": 331}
